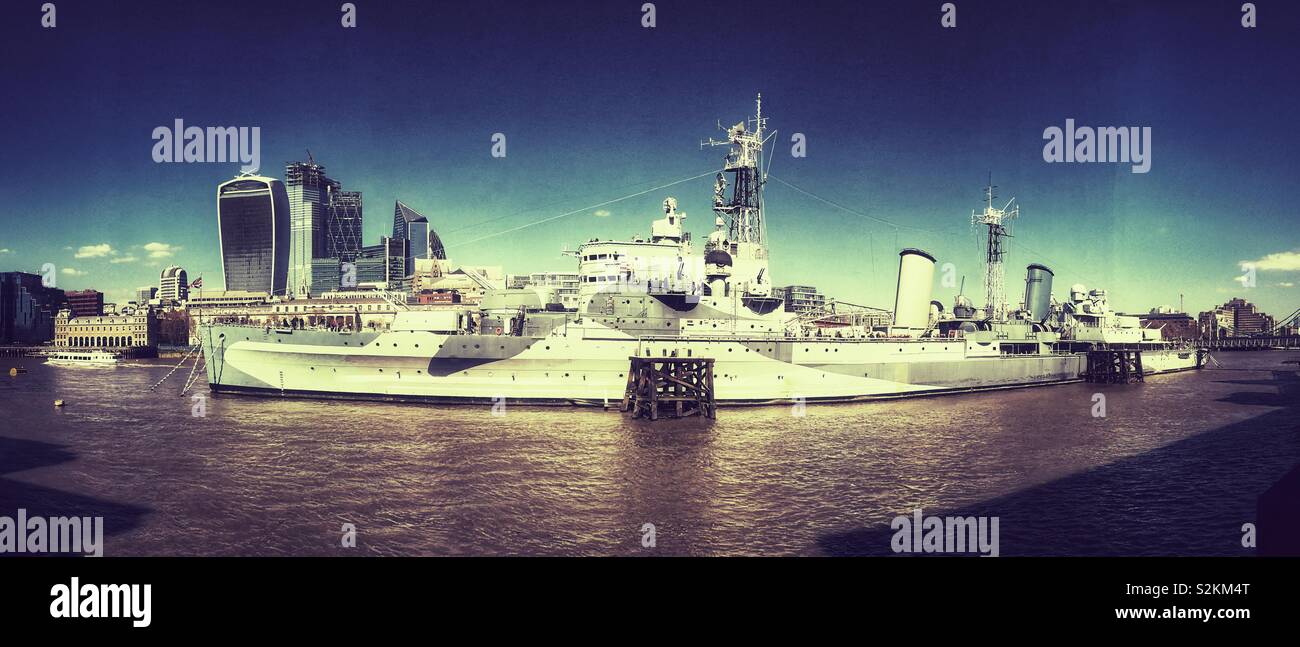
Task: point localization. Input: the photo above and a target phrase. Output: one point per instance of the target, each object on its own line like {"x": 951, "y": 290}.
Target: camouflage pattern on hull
{"x": 576, "y": 369}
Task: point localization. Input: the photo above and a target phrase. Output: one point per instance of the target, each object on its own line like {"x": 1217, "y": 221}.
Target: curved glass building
{"x": 253, "y": 223}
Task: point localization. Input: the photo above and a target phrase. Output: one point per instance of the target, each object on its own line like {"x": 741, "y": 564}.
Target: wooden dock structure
{"x": 671, "y": 387}
{"x": 1114, "y": 366}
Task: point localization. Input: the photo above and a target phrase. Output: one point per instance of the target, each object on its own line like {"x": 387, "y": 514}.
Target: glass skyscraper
{"x": 253, "y": 223}
{"x": 385, "y": 263}
{"x": 423, "y": 242}
{"x": 343, "y": 225}
{"x": 308, "y": 188}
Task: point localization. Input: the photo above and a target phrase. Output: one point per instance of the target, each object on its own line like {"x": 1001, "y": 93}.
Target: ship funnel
{"x": 915, "y": 283}
{"x": 1038, "y": 291}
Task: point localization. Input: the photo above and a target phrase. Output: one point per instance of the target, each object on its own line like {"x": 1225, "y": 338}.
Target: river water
{"x": 1173, "y": 468}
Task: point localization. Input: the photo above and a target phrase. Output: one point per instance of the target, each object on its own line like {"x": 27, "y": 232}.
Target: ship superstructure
{"x": 662, "y": 295}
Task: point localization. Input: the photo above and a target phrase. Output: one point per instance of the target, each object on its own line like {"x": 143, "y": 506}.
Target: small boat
{"x": 81, "y": 358}
{"x": 58, "y": 403}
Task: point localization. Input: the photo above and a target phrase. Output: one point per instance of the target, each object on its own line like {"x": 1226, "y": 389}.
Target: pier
{"x": 672, "y": 387}
{"x": 1114, "y": 366}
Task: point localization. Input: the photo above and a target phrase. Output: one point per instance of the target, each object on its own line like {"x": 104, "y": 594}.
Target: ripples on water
{"x": 1174, "y": 468}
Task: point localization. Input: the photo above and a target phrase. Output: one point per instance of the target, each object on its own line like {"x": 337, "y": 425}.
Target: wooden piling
{"x": 675, "y": 387}
{"x": 1114, "y": 366}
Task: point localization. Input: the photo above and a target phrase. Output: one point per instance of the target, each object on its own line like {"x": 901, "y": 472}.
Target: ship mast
{"x": 742, "y": 211}
{"x": 994, "y": 273}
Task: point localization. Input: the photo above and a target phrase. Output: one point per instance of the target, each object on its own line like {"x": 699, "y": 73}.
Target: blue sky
{"x": 903, "y": 121}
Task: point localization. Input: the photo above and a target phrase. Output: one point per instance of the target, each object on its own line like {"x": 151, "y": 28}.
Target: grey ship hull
{"x": 582, "y": 368}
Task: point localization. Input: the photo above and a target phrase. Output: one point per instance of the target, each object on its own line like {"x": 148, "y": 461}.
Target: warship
{"x": 662, "y": 295}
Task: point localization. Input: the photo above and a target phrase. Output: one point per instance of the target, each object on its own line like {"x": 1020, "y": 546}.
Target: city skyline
{"x": 883, "y": 140}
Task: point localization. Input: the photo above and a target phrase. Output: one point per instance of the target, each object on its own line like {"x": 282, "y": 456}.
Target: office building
{"x": 327, "y": 276}
{"x": 409, "y": 224}
{"x": 145, "y": 294}
{"x": 383, "y": 265}
{"x": 253, "y": 222}
{"x": 343, "y": 225}
{"x": 1236, "y": 318}
{"x": 308, "y": 189}
{"x": 174, "y": 285}
{"x": 28, "y": 308}
{"x": 85, "y": 303}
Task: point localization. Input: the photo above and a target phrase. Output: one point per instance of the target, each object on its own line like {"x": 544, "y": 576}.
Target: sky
{"x": 904, "y": 121}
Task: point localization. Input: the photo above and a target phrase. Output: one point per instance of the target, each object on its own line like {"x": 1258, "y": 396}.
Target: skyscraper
{"x": 253, "y": 223}
{"x": 343, "y": 225}
{"x": 308, "y": 189}
{"x": 410, "y": 225}
{"x": 174, "y": 284}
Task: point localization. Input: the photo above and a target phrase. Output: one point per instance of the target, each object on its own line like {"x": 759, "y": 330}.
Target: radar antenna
{"x": 994, "y": 273}
{"x": 743, "y": 209}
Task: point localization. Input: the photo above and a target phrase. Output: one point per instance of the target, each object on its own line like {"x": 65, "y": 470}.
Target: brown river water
{"x": 1174, "y": 468}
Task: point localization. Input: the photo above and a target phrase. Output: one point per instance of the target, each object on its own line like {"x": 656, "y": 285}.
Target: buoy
{"x": 58, "y": 403}
{"x": 13, "y": 372}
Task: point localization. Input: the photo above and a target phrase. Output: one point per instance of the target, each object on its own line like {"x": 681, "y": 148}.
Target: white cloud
{"x": 161, "y": 250}
{"x": 72, "y": 271}
{"x": 95, "y": 251}
{"x": 601, "y": 213}
{"x": 124, "y": 259}
{"x": 1281, "y": 261}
